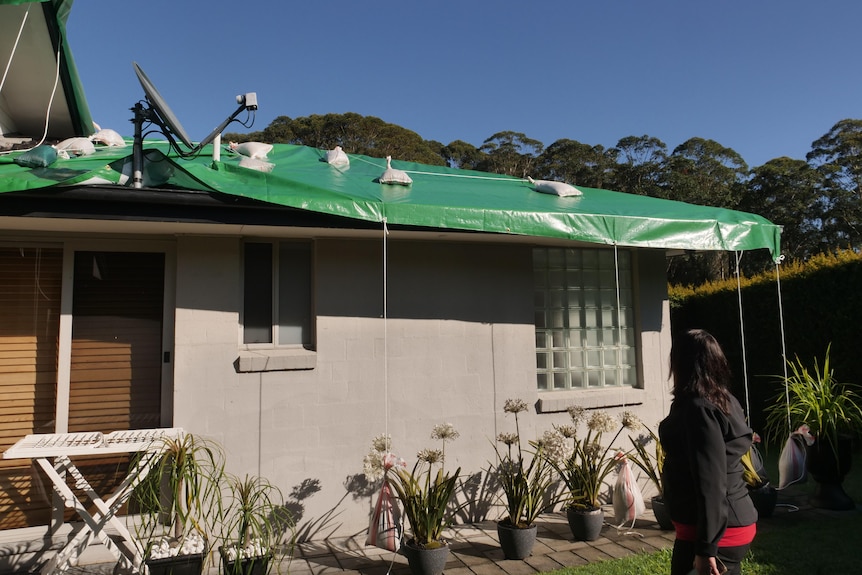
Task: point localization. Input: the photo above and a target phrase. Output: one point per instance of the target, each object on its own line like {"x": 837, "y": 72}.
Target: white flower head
{"x": 554, "y": 446}
{"x": 373, "y": 465}
{"x": 382, "y": 443}
{"x": 508, "y": 438}
{"x": 515, "y": 406}
{"x": 601, "y": 422}
{"x": 567, "y": 431}
{"x": 430, "y": 456}
{"x": 577, "y": 413}
{"x": 445, "y": 431}
{"x": 630, "y": 420}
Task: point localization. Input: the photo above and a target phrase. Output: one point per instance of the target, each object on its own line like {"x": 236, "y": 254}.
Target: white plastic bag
{"x": 628, "y": 499}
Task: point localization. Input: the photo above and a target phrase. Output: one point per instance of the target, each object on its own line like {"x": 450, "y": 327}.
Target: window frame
{"x": 626, "y": 351}
{"x": 275, "y": 355}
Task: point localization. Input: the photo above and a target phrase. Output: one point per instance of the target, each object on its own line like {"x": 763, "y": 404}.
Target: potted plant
{"x": 425, "y": 497}
{"x": 833, "y": 413}
{"x": 253, "y": 525}
{"x": 652, "y": 463}
{"x": 180, "y": 502}
{"x": 525, "y": 487}
{"x": 584, "y": 469}
{"x": 762, "y": 493}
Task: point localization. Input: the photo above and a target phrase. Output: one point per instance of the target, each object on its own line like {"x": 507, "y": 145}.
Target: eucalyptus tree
{"x": 510, "y": 153}
{"x": 578, "y": 164}
{"x": 837, "y": 155}
{"x": 704, "y": 172}
{"x": 461, "y": 154}
{"x": 641, "y": 165}
{"x": 787, "y": 192}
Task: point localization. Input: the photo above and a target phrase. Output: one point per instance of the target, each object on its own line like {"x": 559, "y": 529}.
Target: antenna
{"x": 159, "y": 113}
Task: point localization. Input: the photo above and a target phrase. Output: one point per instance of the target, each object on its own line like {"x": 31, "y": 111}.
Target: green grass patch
{"x": 789, "y": 543}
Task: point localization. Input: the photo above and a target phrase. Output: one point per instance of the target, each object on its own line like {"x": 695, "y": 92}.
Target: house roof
{"x": 439, "y": 197}
{"x": 32, "y": 40}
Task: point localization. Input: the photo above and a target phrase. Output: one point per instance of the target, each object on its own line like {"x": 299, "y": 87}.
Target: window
{"x": 277, "y": 294}
{"x": 580, "y": 343}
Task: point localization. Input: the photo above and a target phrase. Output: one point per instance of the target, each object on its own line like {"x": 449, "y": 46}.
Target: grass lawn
{"x": 789, "y": 543}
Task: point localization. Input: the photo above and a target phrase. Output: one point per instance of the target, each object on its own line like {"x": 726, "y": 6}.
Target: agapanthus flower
{"x": 592, "y": 450}
{"x": 382, "y": 443}
{"x": 601, "y": 422}
{"x": 554, "y": 446}
{"x": 577, "y": 413}
{"x": 515, "y": 406}
{"x": 373, "y": 465}
{"x": 630, "y": 420}
{"x": 445, "y": 431}
{"x": 508, "y": 438}
{"x": 430, "y": 456}
{"x": 567, "y": 431}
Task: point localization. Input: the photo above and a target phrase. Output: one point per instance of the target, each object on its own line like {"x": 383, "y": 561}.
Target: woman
{"x": 704, "y": 436}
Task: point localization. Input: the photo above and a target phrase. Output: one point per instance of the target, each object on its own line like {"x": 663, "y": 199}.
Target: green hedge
{"x": 821, "y": 305}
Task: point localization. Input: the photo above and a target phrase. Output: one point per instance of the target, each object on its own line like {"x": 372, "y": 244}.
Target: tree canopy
{"x": 817, "y": 200}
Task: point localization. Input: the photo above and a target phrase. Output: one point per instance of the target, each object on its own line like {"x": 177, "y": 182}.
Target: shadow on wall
{"x": 480, "y": 492}
{"x": 308, "y": 529}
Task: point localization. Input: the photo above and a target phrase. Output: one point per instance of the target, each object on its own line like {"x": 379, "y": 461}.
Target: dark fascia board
{"x": 105, "y": 202}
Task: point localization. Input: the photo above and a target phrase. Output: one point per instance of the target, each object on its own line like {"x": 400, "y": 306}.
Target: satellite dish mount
{"x": 156, "y": 111}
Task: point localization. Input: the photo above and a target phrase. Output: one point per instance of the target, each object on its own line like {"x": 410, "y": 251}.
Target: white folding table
{"x": 62, "y": 446}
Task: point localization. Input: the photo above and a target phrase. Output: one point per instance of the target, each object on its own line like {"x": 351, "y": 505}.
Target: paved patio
{"x": 474, "y": 548}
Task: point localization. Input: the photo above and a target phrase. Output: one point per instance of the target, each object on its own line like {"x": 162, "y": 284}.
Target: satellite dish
{"x": 160, "y": 107}
{"x": 159, "y": 113}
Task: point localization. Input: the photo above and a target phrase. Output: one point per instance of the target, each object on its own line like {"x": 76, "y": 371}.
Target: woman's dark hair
{"x": 700, "y": 369}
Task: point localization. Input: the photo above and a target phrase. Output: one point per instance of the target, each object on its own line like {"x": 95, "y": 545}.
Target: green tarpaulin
{"x": 439, "y": 197}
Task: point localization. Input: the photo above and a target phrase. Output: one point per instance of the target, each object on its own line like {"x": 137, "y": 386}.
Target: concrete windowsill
{"x": 275, "y": 360}
{"x": 557, "y": 401}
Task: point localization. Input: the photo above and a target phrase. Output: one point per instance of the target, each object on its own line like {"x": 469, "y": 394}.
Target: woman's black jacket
{"x": 702, "y": 472}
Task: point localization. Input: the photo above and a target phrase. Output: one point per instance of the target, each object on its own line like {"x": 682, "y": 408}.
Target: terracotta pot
{"x": 516, "y": 542}
{"x": 662, "y": 515}
{"x": 425, "y": 561}
{"x": 586, "y": 524}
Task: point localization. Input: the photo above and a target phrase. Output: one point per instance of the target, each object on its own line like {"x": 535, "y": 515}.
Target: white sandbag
{"x": 255, "y": 164}
{"x": 108, "y": 137}
{"x": 76, "y": 147}
{"x": 337, "y": 157}
{"x": 561, "y": 189}
{"x": 393, "y": 176}
{"x": 256, "y": 150}
{"x": 791, "y": 462}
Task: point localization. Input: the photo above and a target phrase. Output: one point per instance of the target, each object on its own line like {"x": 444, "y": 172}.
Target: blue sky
{"x": 765, "y": 77}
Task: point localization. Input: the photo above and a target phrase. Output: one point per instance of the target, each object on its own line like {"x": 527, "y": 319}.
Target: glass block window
{"x": 584, "y": 339}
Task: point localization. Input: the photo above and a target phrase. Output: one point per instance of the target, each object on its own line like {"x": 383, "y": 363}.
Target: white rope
{"x": 14, "y": 47}
{"x": 385, "y": 330}
{"x": 742, "y": 336}
{"x": 445, "y": 175}
{"x": 619, "y": 325}
{"x": 783, "y": 341}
